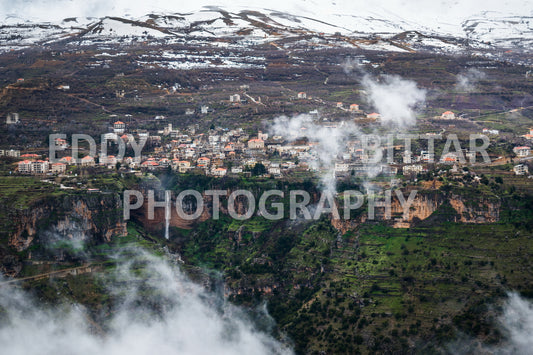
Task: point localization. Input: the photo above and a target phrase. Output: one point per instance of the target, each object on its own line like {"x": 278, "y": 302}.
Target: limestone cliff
{"x": 430, "y": 205}
{"x": 78, "y": 217}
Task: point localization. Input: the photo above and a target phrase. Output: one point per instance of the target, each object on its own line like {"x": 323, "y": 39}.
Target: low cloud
{"x": 394, "y": 98}
{"x": 467, "y": 81}
{"x": 331, "y": 142}
{"x": 515, "y": 322}
{"x": 161, "y": 312}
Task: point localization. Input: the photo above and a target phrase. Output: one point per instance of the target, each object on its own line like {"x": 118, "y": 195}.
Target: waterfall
{"x": 167, "y": 214}
{"x": 167, "y": 222}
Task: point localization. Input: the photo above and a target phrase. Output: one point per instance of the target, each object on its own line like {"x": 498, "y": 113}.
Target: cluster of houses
{"x": 39, "y": 167}
{"x": 221, "y": 151}
{"x": 33, "y": 164}
{"x": 218, "y": 153}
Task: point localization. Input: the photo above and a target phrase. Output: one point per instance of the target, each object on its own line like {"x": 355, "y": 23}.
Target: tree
{"x": 258, "y": 169}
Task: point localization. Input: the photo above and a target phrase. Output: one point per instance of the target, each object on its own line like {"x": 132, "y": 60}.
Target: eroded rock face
{"x": 72, "y": 217}
{"x": 426, "y": 205}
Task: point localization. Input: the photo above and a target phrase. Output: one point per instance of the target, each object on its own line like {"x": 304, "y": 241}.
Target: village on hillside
{"x": 223, "y": 152}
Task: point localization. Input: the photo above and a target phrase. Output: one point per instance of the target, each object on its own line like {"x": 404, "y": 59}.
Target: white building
{"x": 119, "y": 127}
{"x": 427, "y": 157}
{"x": 521, "y": 169}
{"x": 12, "y": 118}
{"x": 235, "y": 98}
{"x": 87, "y": 161}
{"x": 39, "y": 167}
{"x": 342, "y": 167}
{"x": 256, "y": 143}
{"x": 302, "y": 95}
{"x": 263, "y": 136}
{"x": 522, "y": 151}
{"x": 412, "y": 169}
{"x": 274, "y": 170}
{"x": 10, "y": 153}
{"x": 58, "y": 168}
{"x": 493, "y": 132}
{"x": 24, "y": 167}
{"x": 407, "y": 157}
{"x": 219, "y": 172}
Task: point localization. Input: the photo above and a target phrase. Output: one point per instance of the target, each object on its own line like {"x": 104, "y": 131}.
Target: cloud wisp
{"x": 394, "y": 98}
{"x": 515, "y": 323}
{"x": 331, "y": 142}
{"x": 467, "y": 81}
{"x": 161, "y": 311}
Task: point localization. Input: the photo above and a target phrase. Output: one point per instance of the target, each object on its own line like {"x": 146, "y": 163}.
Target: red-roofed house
{"x": 203, "y": 162}
{"x": 149, "y": 164}
{"x": 522, "y": 151}
{"x": 256, "y": 143}
{"x": 58, "y": 168}
{"x": 219, "y": 172}
{"x": 448, "y": 115}
{"x": 529, "y": 135}
{"x": 182, "y": 166}
{"x": 67, "y": 160}
{"x": 39, "y": 167}
{"x": 61, "y": 143}
{"x": 87, "y": 161}
{"x": 119, "y": 127}
{"x": 229, "y": 147}
{"x": 449, "y": 158}
{"x": 24, "y": 167}
{"x": 30, "y": 156}
{"x": 110, "y": 161}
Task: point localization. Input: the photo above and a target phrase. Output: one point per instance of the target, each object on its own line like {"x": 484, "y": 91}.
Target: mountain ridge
{"x": 482, "y": 35}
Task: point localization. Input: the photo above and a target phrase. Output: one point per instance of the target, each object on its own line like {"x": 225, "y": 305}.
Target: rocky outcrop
{"x": 75, "y": 218}
{"x": 429, "y": 205}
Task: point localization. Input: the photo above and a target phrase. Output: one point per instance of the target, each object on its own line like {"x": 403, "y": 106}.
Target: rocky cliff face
{"x": 73, "y": 218}
{"x": 429, "y": 205}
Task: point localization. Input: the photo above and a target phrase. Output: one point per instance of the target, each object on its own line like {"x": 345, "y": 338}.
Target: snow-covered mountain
{"x": 487, "y": 31}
